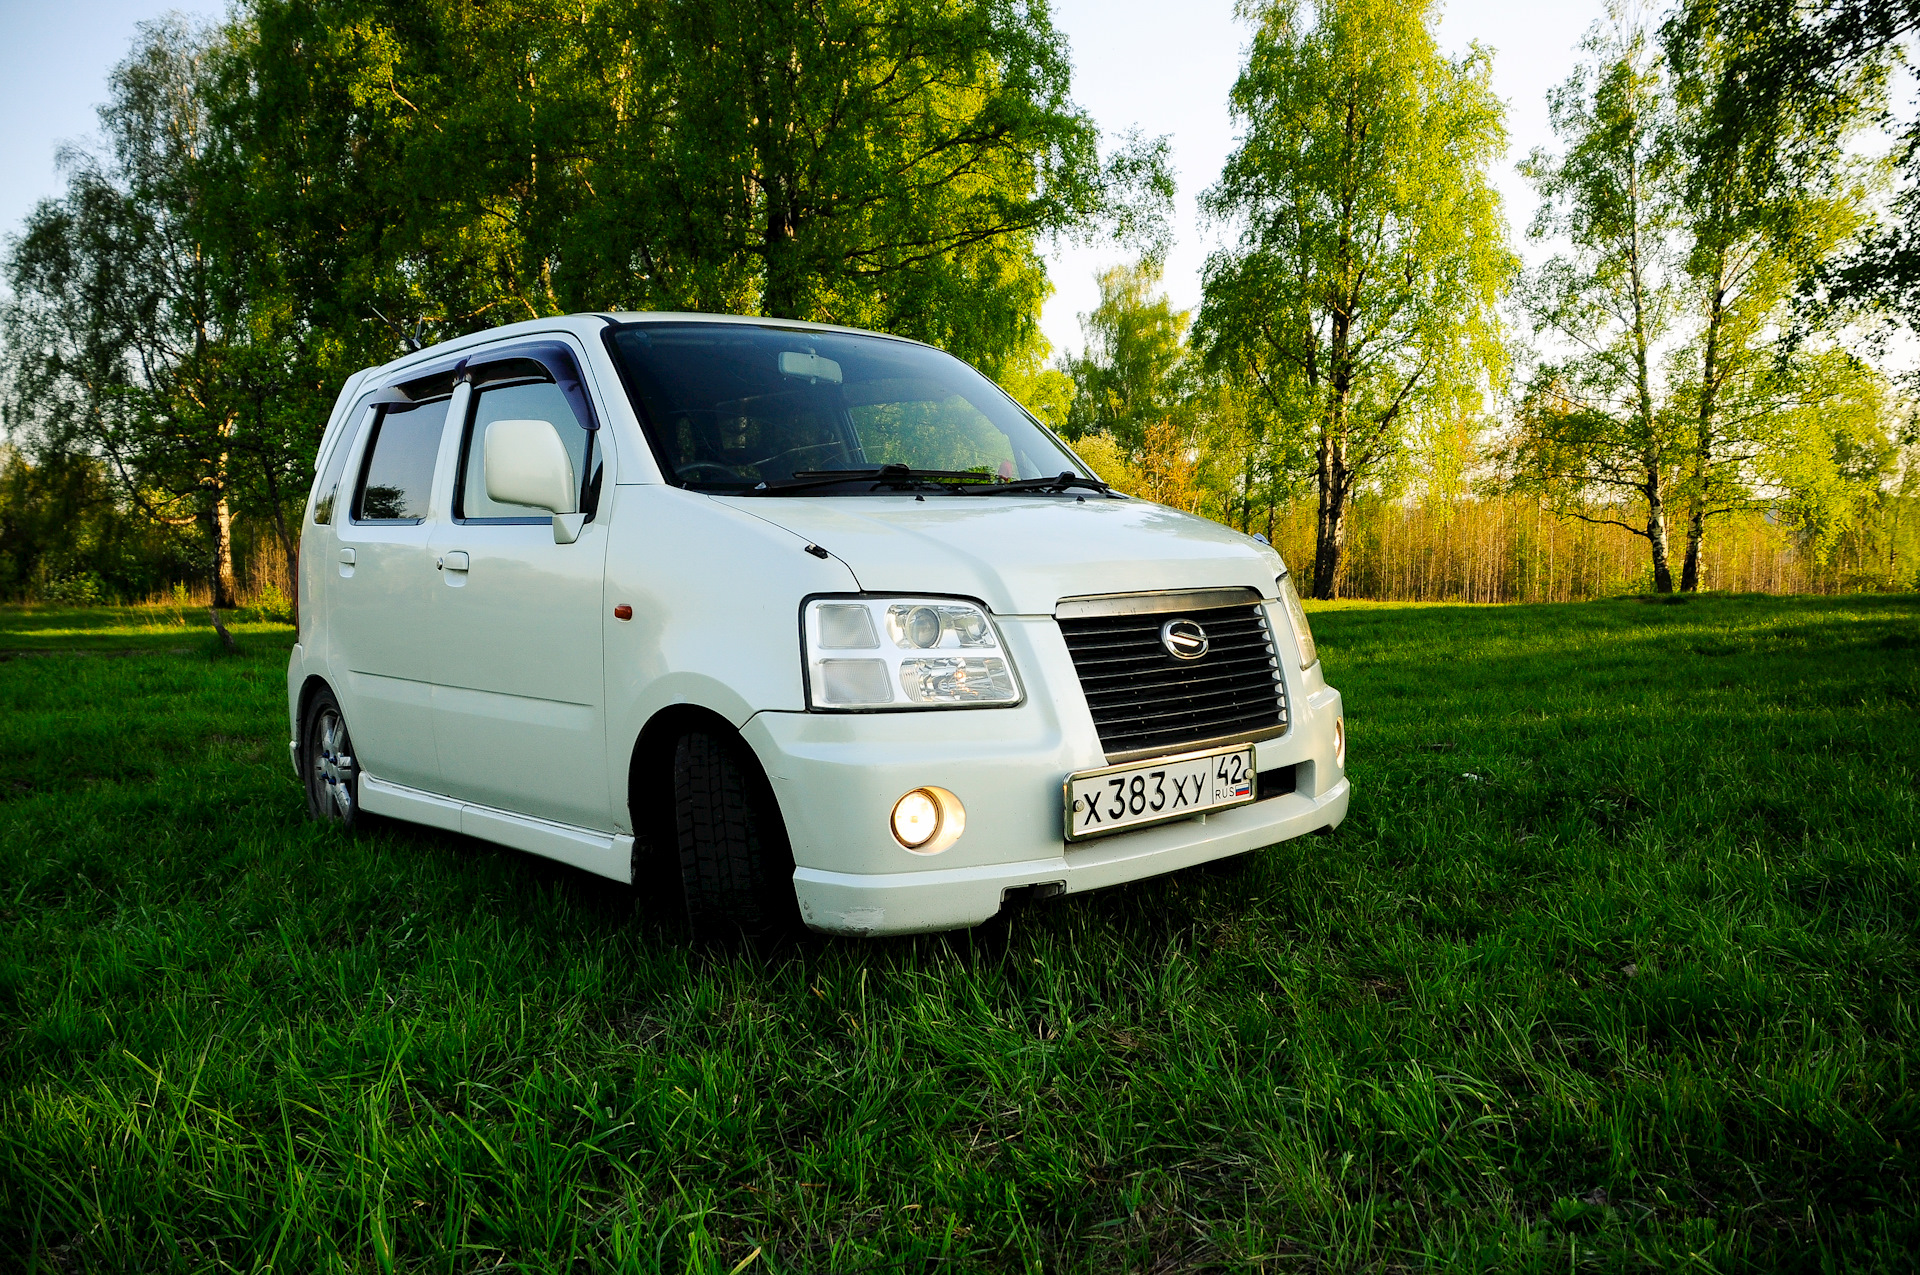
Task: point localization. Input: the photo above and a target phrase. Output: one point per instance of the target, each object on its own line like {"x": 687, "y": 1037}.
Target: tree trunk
{"x": 1657, "y": 533}
{"x": 1330, "y": 537}
{"x": 1696, "y": 535}
{"x": 1332, "y": 543}
{"x": 1326, "y": 546}
{"x": 289, "y": 547}
{"x": 780, "y": 297}
{"x": 1703, "y": 436}
{"x": 1643, "y": 388}
{"x": 226, "y": 592}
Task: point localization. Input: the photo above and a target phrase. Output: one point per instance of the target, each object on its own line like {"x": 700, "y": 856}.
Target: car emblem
{"x": 1184, "y": 639}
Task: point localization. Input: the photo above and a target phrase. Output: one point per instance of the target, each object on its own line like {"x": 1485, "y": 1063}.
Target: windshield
{"x": 732, "y": 406}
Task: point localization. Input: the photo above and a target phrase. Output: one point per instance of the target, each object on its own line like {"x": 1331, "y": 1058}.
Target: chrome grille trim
{"x": 1101, "y": 604}
{"x": 1146, "y": 703}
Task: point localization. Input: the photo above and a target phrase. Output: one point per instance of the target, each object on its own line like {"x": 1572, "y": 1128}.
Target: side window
{"x": 325, "y": 495}
{"x": 397, "y": 476}
{"x": 520, "y": 401}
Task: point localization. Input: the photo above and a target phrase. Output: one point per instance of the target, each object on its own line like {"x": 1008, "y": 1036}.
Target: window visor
{"x": 514, "y": 362}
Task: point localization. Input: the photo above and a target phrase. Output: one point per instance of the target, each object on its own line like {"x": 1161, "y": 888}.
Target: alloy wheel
{"x": 333, "y": 766}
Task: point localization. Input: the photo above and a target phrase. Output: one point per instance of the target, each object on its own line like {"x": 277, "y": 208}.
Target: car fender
{"x": 714, "y": 598}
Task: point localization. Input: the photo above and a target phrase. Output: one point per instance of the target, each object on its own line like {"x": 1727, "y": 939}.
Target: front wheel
{"x": 736, "y": 869}
{"x": 332, "y": 773}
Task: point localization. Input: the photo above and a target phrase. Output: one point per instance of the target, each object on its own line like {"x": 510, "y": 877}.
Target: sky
{"x": 1146, "y": 64}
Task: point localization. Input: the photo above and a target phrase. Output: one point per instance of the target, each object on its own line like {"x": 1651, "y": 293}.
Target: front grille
{"x": 1145, "y": 701}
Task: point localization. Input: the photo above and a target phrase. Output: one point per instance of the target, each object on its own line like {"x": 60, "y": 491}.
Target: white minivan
{"x": 819, "y": 622}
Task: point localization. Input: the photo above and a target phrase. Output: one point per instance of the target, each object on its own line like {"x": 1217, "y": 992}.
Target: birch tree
{"x": 128, "y": 323}
{"x": 1370, "y": 251}
{"x": 1764, "y": 211}
{"x": 1677, "y": 383}
{"x": 1134, "y": 371}
{"x": 1592, "y": 434}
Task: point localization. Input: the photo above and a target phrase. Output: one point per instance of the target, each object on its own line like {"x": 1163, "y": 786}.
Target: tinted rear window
{"x": 398, "y": 475}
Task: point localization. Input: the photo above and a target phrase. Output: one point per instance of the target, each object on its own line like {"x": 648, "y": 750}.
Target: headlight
{"x": 1298, "y": 614}
{"x": 865, "y": 653}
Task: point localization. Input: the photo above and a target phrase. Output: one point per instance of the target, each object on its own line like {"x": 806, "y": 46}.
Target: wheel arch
{"x": 651, "y": 760}
{"x": 308, "y": 689}
{"x": 650, "y": 765}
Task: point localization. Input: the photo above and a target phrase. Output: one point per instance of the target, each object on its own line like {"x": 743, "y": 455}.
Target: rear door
{"x": 380, "y": 596}
{"x": 519, "y": 694}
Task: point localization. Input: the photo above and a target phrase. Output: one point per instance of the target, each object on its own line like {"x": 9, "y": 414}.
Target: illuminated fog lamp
{"x": 928, "y": 820}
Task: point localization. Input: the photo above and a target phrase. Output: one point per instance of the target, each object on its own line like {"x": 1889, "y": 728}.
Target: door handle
{"x": 346, "y": 557}
{"x": 455, "y": 560}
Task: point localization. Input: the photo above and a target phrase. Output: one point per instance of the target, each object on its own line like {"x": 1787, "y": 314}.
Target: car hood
{"x": 1020, "y": 554}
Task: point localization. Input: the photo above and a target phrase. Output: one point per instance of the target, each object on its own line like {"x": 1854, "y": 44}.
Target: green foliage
{"x": 1135, "y": 370}
{"x": 82, "y": 589}
{"x": 871, "y": 162}
{"x": 1597, "y": 974}
{"x": 60, "y": 521}
{"x": 1686, "y": 381}
{"x": 1163, "y": 424}
{"x": 1771, "y": 408}
{"x": 134, "y": 333}
{"x": 1111, "y": 462}
{"x": 272, "y": 606}
{"x": 1045, "y": 391}
{"x": 1790, "y": 82}
{"x": 1371, "y": 251}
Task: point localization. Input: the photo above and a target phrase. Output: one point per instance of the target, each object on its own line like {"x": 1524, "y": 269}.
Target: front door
{"x": 380, "y": 608}
{"x": 519, "y": 716}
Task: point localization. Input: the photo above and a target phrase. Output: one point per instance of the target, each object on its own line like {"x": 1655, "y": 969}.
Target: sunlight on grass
{"x": 1613, "y": 965}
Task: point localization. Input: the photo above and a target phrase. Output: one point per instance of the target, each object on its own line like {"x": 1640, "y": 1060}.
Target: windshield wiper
{"x": 1059, "y": 482}
{"x": 879, "y": 476}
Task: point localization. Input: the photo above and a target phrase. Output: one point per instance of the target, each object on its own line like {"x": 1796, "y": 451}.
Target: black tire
{"x": 736, "y": 869}
{"x": 328, "y": 764}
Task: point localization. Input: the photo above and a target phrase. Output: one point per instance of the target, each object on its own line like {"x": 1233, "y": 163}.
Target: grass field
{"x": 1613, "y": 965}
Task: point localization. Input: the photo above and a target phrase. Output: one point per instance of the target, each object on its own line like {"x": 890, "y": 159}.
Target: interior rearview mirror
{"x": 811, "y": 366}
{"x": 527, "y": 464}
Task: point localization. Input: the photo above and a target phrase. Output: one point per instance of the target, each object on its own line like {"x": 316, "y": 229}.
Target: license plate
{"x": 1122, "y": 797}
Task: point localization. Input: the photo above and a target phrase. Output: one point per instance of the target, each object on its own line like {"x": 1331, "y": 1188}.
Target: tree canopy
{"x": 1371, "y": 253}
{"x": 313, "y": 186}
{"x": 1681, "y": 381}
{"x": 877, "y": 163}
{"x": 316, "y": 185}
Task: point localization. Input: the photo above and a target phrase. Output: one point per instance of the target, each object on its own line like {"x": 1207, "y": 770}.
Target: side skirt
{"x": 603, "y": 854}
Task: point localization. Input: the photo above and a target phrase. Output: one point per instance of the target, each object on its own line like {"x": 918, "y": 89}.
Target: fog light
{"x": 1340, "y": 742}
{"x": 928, "y": 820}
{"x": 916, "y": 819}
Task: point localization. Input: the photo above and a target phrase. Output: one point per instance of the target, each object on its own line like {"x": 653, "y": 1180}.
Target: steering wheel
{"x": 803, "y": 447}
{"x": 726, "y": 472}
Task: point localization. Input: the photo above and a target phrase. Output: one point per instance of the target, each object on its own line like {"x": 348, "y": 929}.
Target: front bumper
{"x": 837, "y": 777}
{"x": 954, "y": 898}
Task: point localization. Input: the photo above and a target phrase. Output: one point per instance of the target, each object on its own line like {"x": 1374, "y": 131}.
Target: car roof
{"x": 588, "y": 323}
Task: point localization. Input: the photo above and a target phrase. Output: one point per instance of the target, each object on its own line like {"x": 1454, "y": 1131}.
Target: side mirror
{"x": 527, "y": 464}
